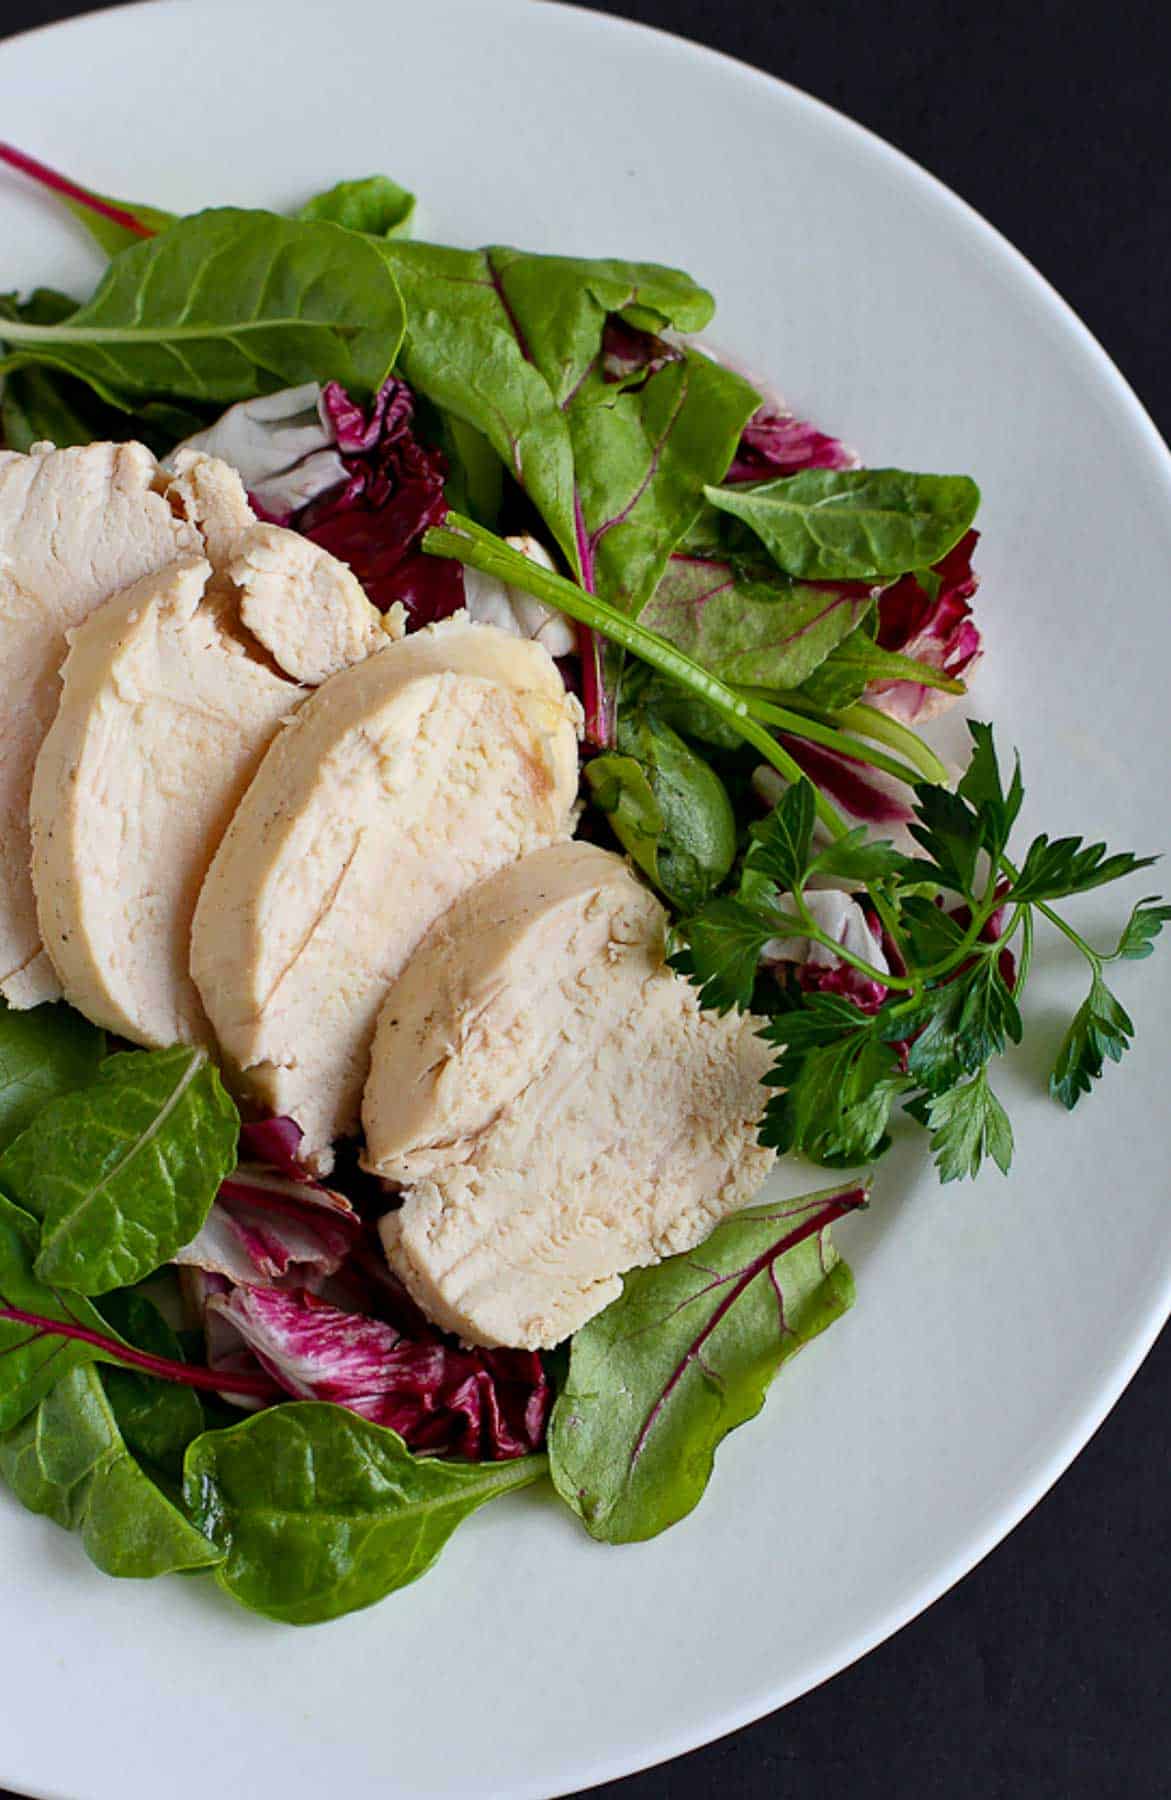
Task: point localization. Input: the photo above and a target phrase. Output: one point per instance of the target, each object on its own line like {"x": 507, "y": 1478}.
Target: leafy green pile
{"x": 722, "y": 625}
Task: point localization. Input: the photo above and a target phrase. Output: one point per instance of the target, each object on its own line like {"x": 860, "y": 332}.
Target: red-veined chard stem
{"x": 61, "y": 184}
{"x": 190, "y": 1374}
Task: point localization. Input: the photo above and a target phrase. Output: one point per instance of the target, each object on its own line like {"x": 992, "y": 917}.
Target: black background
{"x": 1045, "y": 1673}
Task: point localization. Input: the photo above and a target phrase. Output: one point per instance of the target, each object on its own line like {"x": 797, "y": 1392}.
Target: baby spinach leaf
{"x": 854, "y": 524}
{"x": 374, "y": 204}
{"x": 226, "y": 305}
{"x": 749, "y": 626}
{"x": 619, "y": 787}
{"x": 319, "y": 1513}
{"x": 853, "y": 664}
{"x": 685, "y": 1355}
{"x": 123, "y": 1173}
{"x": 31, "y": 1361}
{"x": 69, "y": 1460}
{"x": 43, "y": 1053}
{"x": 158, "y": 1419}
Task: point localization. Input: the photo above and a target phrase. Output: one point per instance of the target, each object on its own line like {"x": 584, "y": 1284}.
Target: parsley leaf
{"x": 780, "y": 844}
{"x": 1101, "y": 1028}
{"x": 859, "y": 857}
{"x": 1141, "y": 929}
{"x": 966, "y": 1124}
{"x": 981, "y": 786}
{"x": 839, "y": 1081}
{"x": 724, "y": 943}
{"x": 949, "y": 830}
{"x": 1054, "y": 869}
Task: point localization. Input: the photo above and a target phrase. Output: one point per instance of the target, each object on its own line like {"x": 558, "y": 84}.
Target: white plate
{"x": 995, "y": 1324}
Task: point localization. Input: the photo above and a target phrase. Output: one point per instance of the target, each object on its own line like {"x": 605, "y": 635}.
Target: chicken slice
{"x": 75, "y": 526}
{"x": 210, "y": 495}
{"x": 162, "y": 722}
{"x": 399, "y": 784}
{"x": 307, "y": 608}
{"x": 558, "y": 1104}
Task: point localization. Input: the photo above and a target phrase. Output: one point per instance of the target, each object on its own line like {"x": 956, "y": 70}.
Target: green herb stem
{"x": 872, "y": 723}
{"x": 806, "y": 726}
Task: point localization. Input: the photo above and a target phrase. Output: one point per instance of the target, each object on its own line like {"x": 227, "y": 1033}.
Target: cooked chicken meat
{"x": 308, "y": 609}
{"x": 398, "y": 785}
{"x": 555, "y": 1100}
{"x": 163, "y": 720}
{"x": 75, "y": 526}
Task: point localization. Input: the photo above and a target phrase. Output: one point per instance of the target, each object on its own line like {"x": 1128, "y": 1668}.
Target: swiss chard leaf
{"x": 69, "y": 1460}
{"x": 374, "y": 204}
{"x": 32, "y": 1361}
{"x": 124, "y": 1172}
{"x": 748, "y": 625}
{"x": 158, "y": 1419}
{"x": 966, "y": 1124}
{"x": 854, "y": 524}
{"x": 1101, "y": 1028}
{"x": 685, "y": 1355}
{"x": 318, "y": 1513}
{"x": 43, "y": 1053}
{"x": 224, "y": 306}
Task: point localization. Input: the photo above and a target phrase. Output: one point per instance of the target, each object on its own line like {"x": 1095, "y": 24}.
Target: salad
{"x": 464, "y": 817}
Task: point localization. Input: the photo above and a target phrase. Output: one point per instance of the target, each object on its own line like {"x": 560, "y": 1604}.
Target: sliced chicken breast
{"x": 307, "y": 608}
{"x": 163, "y": 720}
{"x": 75, "y": 526}
{"x": 557, "y": 1102}
{"x": 398, "y": 785}
{"x": 209, "y": 493}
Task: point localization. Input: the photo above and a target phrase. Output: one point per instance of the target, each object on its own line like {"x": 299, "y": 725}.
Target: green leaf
{"x": 748, "y": 625}
{"x": 857, "y": 857}
{"x": 1101, "y": 1028}
{"x": 319, "y": 1513}
{"x": 69, "y": 1461}
{"x": 123, "y": 1173}
{"x": 158, "y": 1419}
{"x": 375, "y": 204}
{"x": 950, "y": 832}
{"x": 981, "y": 786}
{"x": 110, "y": 234}
{"x": 780, "y": 845}
{"x": 959, "y": 1024}
{"x": 686, "y": 1354}
{"x": 43, "y": 1053}
{"x": 966, "y": 1124}
{"x": 837, "y": 1078}
{"x": 1055, "y": 869}
{"x": 854, "y": 524}
{"x": 224, "y": 306}
{"x": 1142, "y": 928}
{"x": 693, "y": 847}
{"x": 620, "y": 789}
{"x": 724, "y": 943}
{"x": 857, "y": 661}
{"x": 30, "y": 1360}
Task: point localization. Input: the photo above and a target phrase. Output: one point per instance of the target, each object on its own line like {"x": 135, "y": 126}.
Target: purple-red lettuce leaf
{"x": 777, "y": 443}
{"x": 477, "y": 1404}
{"x": 685, "y": 1355}
{"x": 927, "y": 618}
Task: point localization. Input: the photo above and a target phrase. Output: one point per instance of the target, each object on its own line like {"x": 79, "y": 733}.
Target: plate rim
{"x": 593, "y": 1769}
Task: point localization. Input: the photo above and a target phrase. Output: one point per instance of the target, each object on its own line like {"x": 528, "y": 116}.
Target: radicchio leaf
{"x": 777, "y": 443}
{"x": 478, "y": 1404}
{"x": 928, "y": 618}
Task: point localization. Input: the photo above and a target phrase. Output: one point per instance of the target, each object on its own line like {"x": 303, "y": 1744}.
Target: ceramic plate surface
{"x": 996, "y": 1324}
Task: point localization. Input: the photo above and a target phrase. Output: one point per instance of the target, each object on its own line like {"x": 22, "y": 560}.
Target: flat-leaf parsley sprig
{"x": 952, "y": 997}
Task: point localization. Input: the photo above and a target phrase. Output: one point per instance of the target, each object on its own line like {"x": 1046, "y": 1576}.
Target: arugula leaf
{"x": 1053, "y": 870}
{"x": 838, "y": 1082}
{"x": 748, "y": 625}
{"x": 31, "y": 1362}
{"x": 854, "y": 524}
{"x": 375, "y": 204}
{"x": 124, "y": 1172}
{"x": 1141, "y": 929}
{"x": 43, "y": 1053}
{"x": 1101, "y": 1028}
{"x": 319, "y": 1513}
{"x": 966, "y": 1124}
{"x": 226, "y": 305}
{"x": 70, "y": 1461}
{"x": 686, "y": 1354}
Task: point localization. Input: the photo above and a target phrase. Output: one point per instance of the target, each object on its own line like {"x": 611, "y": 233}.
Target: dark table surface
{"x": 1046, "y": 1672}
